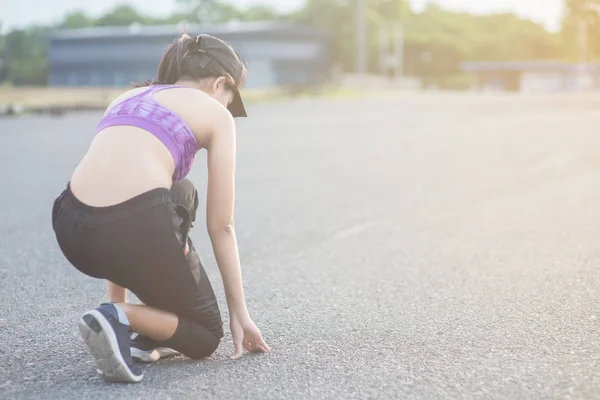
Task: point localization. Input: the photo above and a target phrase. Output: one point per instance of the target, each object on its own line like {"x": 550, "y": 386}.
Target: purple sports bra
{"x": 144, "y": 112}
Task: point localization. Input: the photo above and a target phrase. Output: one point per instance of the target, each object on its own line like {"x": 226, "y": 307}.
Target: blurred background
{"x": 416, "y": 207}
{"x": 510, "y": 45}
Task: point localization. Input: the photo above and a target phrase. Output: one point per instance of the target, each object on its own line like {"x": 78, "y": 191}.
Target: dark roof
{"x": 540, "y": 65}
{"x": 223, "y": 29}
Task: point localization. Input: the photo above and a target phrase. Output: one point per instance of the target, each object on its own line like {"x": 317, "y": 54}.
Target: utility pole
{"x": 399, "y": 48}
{"x": 401, "y": 36}
{"x": 384, "y": 48}
{"x": 583, "y": 40}
{"x": 584, "y": 53}
{"x": 391, "y": 40}
{"x": 361, "y": 37}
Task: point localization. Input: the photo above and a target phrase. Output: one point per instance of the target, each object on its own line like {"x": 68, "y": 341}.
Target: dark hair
{"x": 183, "y": 60}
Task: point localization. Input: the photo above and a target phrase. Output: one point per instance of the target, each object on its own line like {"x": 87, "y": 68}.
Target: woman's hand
{"x": 246, "y": 335}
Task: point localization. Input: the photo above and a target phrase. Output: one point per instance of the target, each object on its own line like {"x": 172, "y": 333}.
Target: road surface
{"x": 415, "y": 247}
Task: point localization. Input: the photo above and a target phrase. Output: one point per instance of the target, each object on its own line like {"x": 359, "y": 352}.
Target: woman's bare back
{"x": 125, "y": 161}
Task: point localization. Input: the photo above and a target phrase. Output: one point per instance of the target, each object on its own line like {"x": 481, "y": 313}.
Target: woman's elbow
{"x": 220, "y": 228}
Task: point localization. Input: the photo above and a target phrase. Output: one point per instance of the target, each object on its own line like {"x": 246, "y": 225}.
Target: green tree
{"x": 336, "y": 16}
{"x": 25, "y": 55}
{"x": 259, "y": 13}
{"x": 582, "y": 14}
{"x": 209, "y": 11}
{"x": 76, "y": 20}
{"x": 122, "y": 16}
{"x": 436, "y": 41}
{"x": 391, "y": 10}
{"x": 582, "y": 8}
{"x": 169, "y": 20}
{"x": 3, "y": 63}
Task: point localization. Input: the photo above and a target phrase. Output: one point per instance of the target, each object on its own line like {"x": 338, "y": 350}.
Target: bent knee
{"x": 204, "y": 349}
{"x": 217, "y": 328}
{"x": 193, "y": 340}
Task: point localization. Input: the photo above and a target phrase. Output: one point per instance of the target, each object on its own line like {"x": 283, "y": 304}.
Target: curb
{"x": 11, "y": 109}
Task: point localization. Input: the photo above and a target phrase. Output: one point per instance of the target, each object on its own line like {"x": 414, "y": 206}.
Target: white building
{"x": 278, "y": 54}
{"x": 533, "y": 76}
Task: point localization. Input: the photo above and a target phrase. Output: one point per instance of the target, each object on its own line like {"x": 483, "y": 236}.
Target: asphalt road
{"x": 414, "y": 247}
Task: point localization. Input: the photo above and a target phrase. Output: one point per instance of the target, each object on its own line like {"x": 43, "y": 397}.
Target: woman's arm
{"x": 219, "y": 216}
{"x": 220, "y": 209}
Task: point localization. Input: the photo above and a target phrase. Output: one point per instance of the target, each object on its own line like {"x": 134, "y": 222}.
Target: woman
{"x": 126, "y": 212}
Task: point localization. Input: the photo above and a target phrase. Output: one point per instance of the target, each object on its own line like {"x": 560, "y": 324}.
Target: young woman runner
{"x": 126, "y": 213}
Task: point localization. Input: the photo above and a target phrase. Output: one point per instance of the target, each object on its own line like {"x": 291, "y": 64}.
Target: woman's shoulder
{"x": 125, "y": 95}
{"x": 202, "y": 112}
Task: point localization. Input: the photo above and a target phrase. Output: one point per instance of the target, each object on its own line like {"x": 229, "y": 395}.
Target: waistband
{"x": 135, "y": 205}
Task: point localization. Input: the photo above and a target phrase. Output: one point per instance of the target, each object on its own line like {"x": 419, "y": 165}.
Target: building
{"x": 278, "y": 54}
{"x": 533, "y": 76}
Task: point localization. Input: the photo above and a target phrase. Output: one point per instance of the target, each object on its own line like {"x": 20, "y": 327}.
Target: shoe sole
{"x": 100, "y": 338}
{"x": 150, "y": 356}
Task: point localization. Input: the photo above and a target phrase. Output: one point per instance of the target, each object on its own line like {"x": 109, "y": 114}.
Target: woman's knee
{"x": 193, "y": 340}
{"x": 204, "y": 351}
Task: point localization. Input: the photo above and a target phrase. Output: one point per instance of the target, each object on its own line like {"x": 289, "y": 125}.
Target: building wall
{"x": 542, "y": 82}
{"x": 103, "y": 62}
{"x": 552, "y": 82}
{"x": 577, "y": 81}
{"x": 534, "y": 76}
{"x": 107, "y": 61}
{"x": 498, "y": 81}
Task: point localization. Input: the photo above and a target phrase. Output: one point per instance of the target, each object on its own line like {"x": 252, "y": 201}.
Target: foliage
{"x": 76, "y": 20}
{"x": 436, "y": 40}
{"x": 578, "y": 13}
{"x": 212, "y": 11}
{"x": 24, "y": 56}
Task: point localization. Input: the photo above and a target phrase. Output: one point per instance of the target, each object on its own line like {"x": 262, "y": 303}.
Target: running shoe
{"x": 146, "y": 350}
{"x": 108, "y": 340}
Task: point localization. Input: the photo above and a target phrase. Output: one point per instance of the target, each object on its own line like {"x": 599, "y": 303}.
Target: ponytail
{"x": 185, "y": 58}
{"x": 169, "y": 68}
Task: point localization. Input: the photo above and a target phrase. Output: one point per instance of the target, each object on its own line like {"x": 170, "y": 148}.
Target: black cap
{"x": 224, "y": 54}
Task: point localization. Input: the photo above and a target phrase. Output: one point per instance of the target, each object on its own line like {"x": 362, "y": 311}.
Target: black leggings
{"x": 139, "y": 244}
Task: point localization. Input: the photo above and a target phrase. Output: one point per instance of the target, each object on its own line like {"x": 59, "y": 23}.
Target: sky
{"x": 20, "y": 13}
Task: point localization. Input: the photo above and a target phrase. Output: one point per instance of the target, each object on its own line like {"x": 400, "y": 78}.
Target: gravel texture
{"x": 416, "y": 246}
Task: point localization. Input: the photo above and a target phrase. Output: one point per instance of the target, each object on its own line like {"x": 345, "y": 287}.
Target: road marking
{"x": 354, "y": 230}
